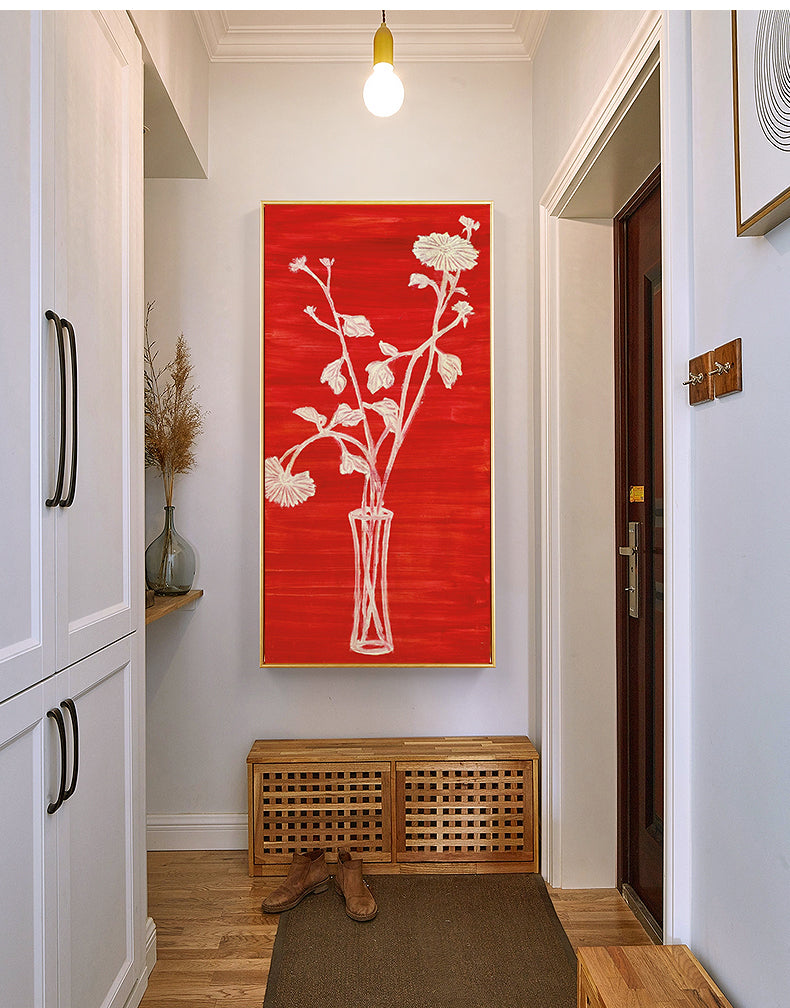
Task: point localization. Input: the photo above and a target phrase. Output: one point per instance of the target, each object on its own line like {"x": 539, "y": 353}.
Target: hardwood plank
{"x": 180, "y": 965}
{"x": 152, "y": 999}
{"x": 594, "y": 917}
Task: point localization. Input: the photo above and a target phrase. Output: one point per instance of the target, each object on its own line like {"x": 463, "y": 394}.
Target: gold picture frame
{"x": 761, "y": 120}
{"x": 333, "y": 591}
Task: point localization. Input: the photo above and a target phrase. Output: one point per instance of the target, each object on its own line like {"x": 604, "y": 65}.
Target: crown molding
{"x": 347, "y": 36}
{"x": 530, "y": 25}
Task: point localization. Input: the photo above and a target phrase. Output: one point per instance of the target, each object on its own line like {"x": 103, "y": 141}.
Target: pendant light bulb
{"x": 383, "y": 92}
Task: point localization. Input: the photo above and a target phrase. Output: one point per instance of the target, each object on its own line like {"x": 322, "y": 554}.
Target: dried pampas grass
{"x": 172, "y": 419}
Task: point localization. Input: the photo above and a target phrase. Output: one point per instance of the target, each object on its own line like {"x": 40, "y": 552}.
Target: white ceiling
{"x": 348, "y": 35}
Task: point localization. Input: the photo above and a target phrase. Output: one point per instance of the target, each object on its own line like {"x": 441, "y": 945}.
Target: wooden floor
{"x": 214, "y": 945}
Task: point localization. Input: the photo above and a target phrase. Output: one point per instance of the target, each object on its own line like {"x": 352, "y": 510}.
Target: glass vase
{"x": 371, "y": 634}
{"x": 169, "y": 561}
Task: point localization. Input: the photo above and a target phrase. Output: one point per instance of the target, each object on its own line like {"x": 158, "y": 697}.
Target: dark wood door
{"x": 640, "y": 565}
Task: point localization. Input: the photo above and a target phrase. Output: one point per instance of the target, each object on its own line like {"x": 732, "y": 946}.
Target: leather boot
{"x": 307, "y": 874}
{"x": 360, "y": 905}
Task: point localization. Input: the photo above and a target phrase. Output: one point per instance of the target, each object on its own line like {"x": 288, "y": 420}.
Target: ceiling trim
{"x": 346, "y": 36}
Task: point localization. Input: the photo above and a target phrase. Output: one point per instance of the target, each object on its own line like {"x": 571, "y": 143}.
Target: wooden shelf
{"x": 164, "y": 604}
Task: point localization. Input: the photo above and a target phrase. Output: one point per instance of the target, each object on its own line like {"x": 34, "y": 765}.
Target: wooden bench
{"x": 665, "y": 976}
{"x": 405, "y": 804}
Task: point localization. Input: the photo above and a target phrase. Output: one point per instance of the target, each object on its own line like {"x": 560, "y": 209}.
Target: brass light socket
{"x": 382, "y": 45}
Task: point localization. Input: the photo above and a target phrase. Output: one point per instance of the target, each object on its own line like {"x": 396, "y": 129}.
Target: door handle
{"x": 70, "y": 706}
{"x": 54, "y": 500}
{"x": 632, "y": 552}
{"x": 57, "y": 717}
{"x": 69, "y": 499}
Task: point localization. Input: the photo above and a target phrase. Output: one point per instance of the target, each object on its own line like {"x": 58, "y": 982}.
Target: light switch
{"x": 700, "y": 383}
{"x": 727, "y": 370}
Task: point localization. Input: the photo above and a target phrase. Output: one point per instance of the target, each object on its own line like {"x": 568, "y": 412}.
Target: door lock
{"x": 632, "y": 552}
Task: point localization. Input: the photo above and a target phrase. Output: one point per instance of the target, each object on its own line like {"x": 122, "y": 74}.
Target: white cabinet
{"x": 73, "y": 896}
{"x": 97, "y": 833}
{"x": 26, "y": 527}
{"x": 71, "y": 184}
{"x": 71, "y": 191}
{"x": 93, "y": 72}
{"x": 72, "y": 871}
{"x": 28, "y": 865}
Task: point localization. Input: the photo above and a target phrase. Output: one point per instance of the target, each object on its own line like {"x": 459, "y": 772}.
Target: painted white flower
{"x": 464, "y": 309}
{"x": 297, "y": 264}
{"x": 346, "y": 465}
{"x": 286, "y": 488}
{"x": 329, "y": 263}
{"x": 356, "y": 325}
{"x": 346, "y": 416}
{"x": 449, "y": 368}
{"x": 469, "y": 225}
{"x": 444, "y": 252}
{"x": 379, "y": 376}
{"x": 333, "y": 376}
{"x": 352, "y": 463}
{"x": 312, "y": 415}
{"x": 389, "y": 411}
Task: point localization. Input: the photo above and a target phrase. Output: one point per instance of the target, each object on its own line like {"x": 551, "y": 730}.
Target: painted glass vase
{"x": 371, "y": 634}
{"x": 170, "y": 561}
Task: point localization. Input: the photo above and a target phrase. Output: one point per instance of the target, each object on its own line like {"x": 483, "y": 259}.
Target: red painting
{"x": 376, "y": 441}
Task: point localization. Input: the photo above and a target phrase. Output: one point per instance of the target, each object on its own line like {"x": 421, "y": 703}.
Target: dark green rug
{"x": 438, "y": 941}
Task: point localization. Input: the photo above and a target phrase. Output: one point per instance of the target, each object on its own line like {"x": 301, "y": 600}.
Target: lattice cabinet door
{"x": 465, "y": 811}
{"x": 296, "y": 807}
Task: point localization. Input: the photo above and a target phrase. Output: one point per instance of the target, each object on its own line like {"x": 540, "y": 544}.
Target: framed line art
{"x": 377, "y": 417}
{"x": 761, "y": 118}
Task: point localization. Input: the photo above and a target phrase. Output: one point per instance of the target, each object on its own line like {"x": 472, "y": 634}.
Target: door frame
{"x": 622, "y": 515}
{"x": 662, "y": 39}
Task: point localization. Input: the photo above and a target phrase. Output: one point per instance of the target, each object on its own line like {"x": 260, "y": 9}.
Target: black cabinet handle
{"x": 75, "y": 731}
{"x": 58, "y": 719}
{"x": 54, "y": 500}
{"x": 69, "y": 500}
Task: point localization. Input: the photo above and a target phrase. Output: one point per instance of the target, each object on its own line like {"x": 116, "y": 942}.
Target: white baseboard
{"x": 150, "y": 947}
{"x": 136, "y": 996}
{"x": 206, "y": 831}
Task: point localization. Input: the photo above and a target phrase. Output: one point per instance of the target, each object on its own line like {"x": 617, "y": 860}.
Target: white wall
{"x": 300, "y": 132}
{"x": 587, "y": 554}
{"x": 176, "y": 94}
{"x": 740, "y": 689}
{"x": 741, "y": 630}
{"x": 576, "y": 57}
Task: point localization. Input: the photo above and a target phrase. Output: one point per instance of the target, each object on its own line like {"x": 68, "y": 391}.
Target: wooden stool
{"x": 644, "y": 975}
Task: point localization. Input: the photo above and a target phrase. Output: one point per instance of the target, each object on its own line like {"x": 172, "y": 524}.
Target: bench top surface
{"x": 668, "y": 976}
{"x": 482, "y": 747}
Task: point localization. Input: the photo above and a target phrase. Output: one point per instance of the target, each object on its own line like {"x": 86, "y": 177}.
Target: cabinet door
{"x": 28, "y": 917}
{"x": 101, "y": 900}
{"x": 26, "y": 530}
{"x": 95, "y": 80}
